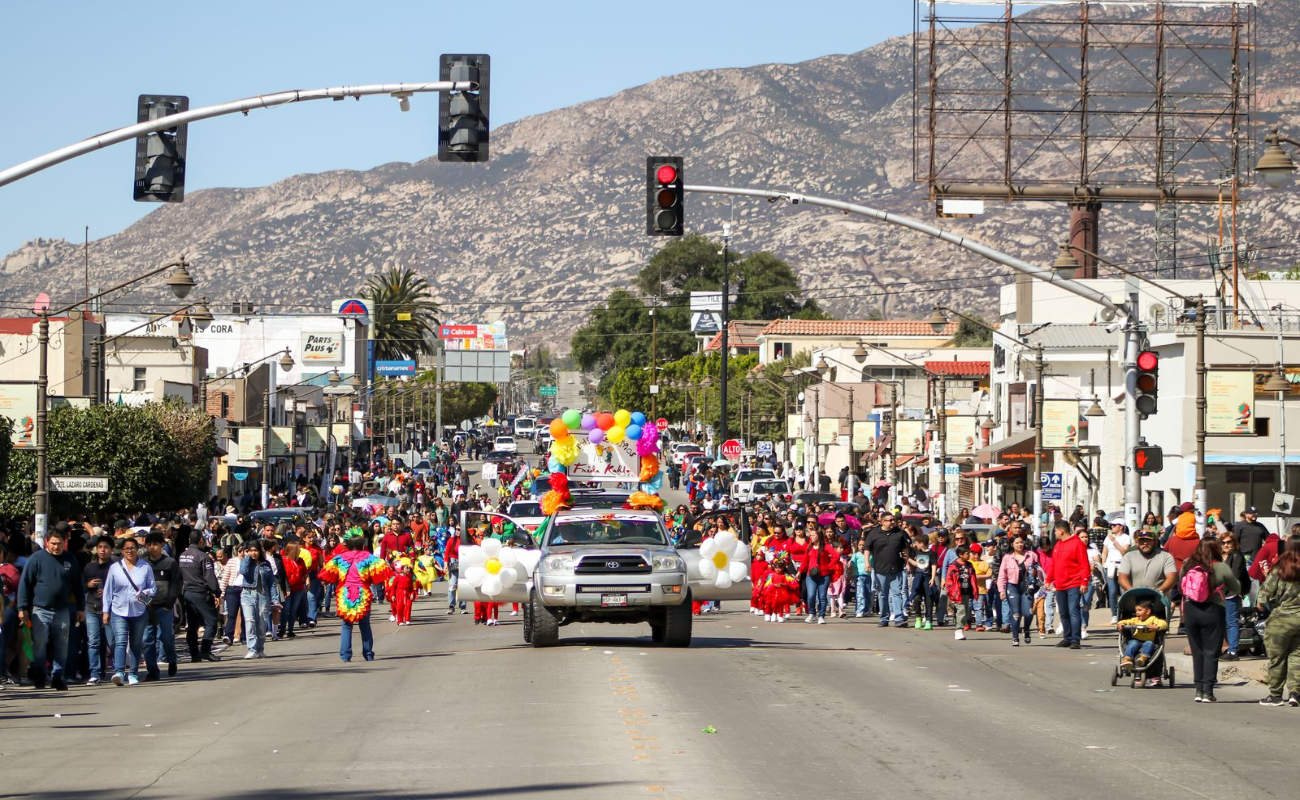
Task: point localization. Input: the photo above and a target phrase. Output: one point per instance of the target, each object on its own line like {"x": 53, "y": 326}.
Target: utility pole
{"x": 1200, "y": 497}
{"x": 1132, "y": 421}
{"x": 654, "y": 362}
{"x": 42, "y": 496}
{"x": 726, "y": 291}
{"x": 266, "y": 440}
{"x": 943, "y": 448}
{"x": 1037, "y": 484}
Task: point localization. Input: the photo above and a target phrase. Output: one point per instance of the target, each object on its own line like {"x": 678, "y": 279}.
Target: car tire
{"x": 528, "y": 620}
{"x": 545, "y": 627}
{"x": 657, "y": 630}
{"x": 677, "y": 624}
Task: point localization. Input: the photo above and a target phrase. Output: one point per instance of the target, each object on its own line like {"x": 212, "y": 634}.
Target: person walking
{"x": 354, "y": 572}
{"x": 159, "y": 629}
{"x": 817, "y": 572}
{"x": 1069, "y": 574}
{"x": 99, "y": 637}
{"x": 1204, "y": 582}
{"x": 1281, "y": 593}
{"x": 1019, "y": 579}
{"x": 1232, "y": 603}
{"x": 261, "y": 591}
{"x": 50, "y": 591}
{"x": 128, "y": 590}
{"x": 231, "y": 584}
{"x": 200, "y": 596}
{"x": 888, "y": 547}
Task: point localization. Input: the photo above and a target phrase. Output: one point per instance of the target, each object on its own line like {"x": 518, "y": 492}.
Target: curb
{"x": 1255, "y": 670}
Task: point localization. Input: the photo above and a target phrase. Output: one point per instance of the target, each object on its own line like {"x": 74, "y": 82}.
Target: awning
{"x": 874, "y": 453}
{"x": 1015, "y": 449}
{"x": 1005, "y": 471}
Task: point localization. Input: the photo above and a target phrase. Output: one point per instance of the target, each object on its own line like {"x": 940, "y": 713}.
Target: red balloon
{"x": 604, "y": 420}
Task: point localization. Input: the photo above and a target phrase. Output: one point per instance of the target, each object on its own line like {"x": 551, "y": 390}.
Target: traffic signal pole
{"x": 1132, "y": 418}
{"x": 401, "y": 91}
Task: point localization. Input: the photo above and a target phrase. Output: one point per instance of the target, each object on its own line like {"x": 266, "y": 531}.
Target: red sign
{"x": 731, "y": 450}
{"x": 458, "y": 332}
{"x": 662, "y": 424}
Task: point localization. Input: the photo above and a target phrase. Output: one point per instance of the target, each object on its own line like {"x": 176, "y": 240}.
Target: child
{"x": 780, "y": 589}
{"x": 960, "y": 583}
{"x": 835, "y": 592}
{"x": 1143, "y": 644}
{"x": 861, "y": 563}
{"x": 983, "y": 572}
{"x": 757, "y": 573}
{"x": 426, "y": 569}
{"x": 403, "y": 588}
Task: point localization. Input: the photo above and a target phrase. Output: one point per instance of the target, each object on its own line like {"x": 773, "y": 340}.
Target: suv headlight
{"x": 557, "y": 563}
{"x": 666, "y": 564}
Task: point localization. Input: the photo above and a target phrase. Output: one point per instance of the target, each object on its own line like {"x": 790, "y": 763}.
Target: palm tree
{"x": 401, "y": 291}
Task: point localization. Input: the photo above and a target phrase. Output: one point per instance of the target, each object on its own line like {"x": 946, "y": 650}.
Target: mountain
{"x": 492, "y": 237}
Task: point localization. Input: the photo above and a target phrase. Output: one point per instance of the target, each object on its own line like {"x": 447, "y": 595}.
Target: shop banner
{"x": 1230, "y": 402}
{"x": 961, "y": 436}
{"x": 911, "y": 437}
{"x": 1060, "y": 424}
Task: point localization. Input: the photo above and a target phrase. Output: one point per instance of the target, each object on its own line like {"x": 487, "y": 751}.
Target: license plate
{"x": 613, "y": 599}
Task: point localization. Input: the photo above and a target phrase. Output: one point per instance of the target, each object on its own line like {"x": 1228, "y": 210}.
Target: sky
{"x": 74, "y": 68}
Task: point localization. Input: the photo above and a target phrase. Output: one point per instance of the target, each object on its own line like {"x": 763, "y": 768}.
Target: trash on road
{"x": 709, "y": 729}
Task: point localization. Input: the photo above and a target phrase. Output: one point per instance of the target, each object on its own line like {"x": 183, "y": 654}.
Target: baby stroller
{"x": 1155, "y": 667}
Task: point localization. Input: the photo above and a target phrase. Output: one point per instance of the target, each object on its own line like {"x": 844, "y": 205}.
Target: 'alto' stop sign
{"x": 661, "y": 424}
{"x": 731, "y": 449}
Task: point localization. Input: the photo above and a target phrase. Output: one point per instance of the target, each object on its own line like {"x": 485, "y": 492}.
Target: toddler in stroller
{"x": 1143, "y": 625}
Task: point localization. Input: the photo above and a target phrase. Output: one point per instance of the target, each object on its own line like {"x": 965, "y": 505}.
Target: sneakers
{"x": 920, "y": 623}
{"x": 250, "y": 654}
{"x": 1062, "y": 643}
{"x": 767, "y": 617}
{"x": 781, "y": 618}
{"x": 980, "y": 628}
{"x": 133, "y": 680}
{"x": 821, "y": 620}
{"x": 928, "y": 626}
{"x": 1293, "y": 700}
{"x": 808, "y": 618}
{"x": 514, "y": 613}
{"x": 1042, "y": 635}
{"x": 96, "y": 682}
{"x": 1083, "y": 633}
{"x": 1015, "y": 642}
{"x": 1114, "y": 620}
{"x": 1075, "y": 646}
{"x": 1274, "y": 700}
{"x": 1060, "y": 629}
{"x": 859, "y": 616}
{"x": 119, "y": 678}
{"x": 958, "y": 634}
{"x": 225, "y": 640}
{"x": 392, "y": 618}
{"x": 1228, "y": 656}
{"x": 1200, "y": 697}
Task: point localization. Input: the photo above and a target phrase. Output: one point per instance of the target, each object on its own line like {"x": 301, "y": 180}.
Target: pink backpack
{"x": 1195, "y": 585}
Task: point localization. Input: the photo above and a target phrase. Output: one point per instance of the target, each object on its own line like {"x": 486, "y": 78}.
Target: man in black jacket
{"x": 159, "y": 629}
{"x": 887, "y": 545}
{"x": 201, "y": 595}
{"x": 99, "y": 637}
{"x": 1250, "y": 534}
{"x": 49, "y": 591}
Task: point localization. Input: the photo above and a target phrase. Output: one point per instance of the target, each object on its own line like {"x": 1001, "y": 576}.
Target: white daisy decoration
{"x": 724, "y": 560}
{"x": 490, "y": 568}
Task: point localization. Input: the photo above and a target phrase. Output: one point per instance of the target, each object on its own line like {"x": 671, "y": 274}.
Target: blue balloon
{"x": 638, "y": 419}
{"x": 633, "y": 431}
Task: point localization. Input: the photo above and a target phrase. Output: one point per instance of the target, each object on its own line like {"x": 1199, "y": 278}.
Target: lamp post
{"x": 756, "y": 375}
{"x": 181, "y": 285}
{"x": 286, "y": 363}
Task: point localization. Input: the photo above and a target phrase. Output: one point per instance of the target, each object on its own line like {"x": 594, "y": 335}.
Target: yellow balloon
{"x": 622, "y": 418}
{"x": 615, "y": 434}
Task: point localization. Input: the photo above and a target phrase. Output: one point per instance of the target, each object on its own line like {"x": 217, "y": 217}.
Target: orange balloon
{"x": 559, "y": 430}
{"x": 604, "y": 420}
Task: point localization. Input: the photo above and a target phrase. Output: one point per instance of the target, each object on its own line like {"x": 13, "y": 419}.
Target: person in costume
{"x": 485, "y": 613}
{"x": 426, "y": 571}
{"x": 403, "y": 587}
{"x": 354, "y": 572}
{"x": 780, "y": 589}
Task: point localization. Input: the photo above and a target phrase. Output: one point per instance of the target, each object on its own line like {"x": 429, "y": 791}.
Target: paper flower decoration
{"x": 649, "y": 468}
{"x": 643, "y": 500}
{"x": 490, "y": 568}
{"x": 565, "y": 452}
{"x": 553, "y": 501}
{"x": 724, "y": 560}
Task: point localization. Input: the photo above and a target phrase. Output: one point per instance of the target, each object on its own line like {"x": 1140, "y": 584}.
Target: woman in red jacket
{"x": 1069, "y": 574}
{"x": 820, "y": 563}
{"x": 295, "y": 576}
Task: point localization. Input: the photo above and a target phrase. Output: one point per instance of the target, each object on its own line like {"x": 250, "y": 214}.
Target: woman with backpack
{"x": 1204, "y": 582}
{"x": 1019, "y": 579}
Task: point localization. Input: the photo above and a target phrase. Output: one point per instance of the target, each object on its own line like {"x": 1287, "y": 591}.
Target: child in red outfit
{"x": 403, "y": 589}
{"x": 780, "y": 590}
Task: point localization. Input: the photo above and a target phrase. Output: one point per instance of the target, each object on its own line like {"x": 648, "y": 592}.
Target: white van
{"x": 525, "y": 426}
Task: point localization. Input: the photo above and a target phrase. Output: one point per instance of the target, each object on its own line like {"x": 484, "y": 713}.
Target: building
{"x": 742, "y": 337}
{"x": 139, "y": 369}
{"x": 68, "y": 362}
{"x": 787, "y": 338}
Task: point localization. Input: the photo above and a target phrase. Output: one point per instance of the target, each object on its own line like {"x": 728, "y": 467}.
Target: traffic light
{"x": 463, "y": 115}
{"x": 1148, "y": 458}
{"x": 160, "y": 156}
{"x": 1148, "y": 373}
{"x": 663, "y": 190}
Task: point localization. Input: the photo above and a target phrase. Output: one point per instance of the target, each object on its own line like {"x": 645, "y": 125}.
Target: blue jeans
{"x": 256, "y": 607}
{"x": 230, "y": 599}
{"x": 817, "y": 599}
{"x": 1232, "y": 607}
{"x": 367, "y": 640}
{"x": 862, "y": 586}
{"x": 50, "y": 640}
{"x": 1068, "y": 603}
{"x": 994, "y": 607}
{"x": 1085, "y": 604}
{"x": 1113, "y": 592}
{"x": 1136, "y": 647}
{"x": 292, "y": 606}
{"x": 128, "y": 639}
{"x": 99, "y": 637}
{"x": 890, "y": 585}
{"x": 978, "y": 606}
{"x": 315, "y": 594}
{"x": 159, "y": 638}
{"x": 1021, "y": 614}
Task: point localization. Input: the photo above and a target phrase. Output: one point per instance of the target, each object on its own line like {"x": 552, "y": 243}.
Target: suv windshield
{"x": 605, "y": 530}
{"x": 775, "y": 487}
{"x": 526, "y": 510}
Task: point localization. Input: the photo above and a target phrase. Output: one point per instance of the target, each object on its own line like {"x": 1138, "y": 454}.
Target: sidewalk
{"x": 1248, "y": 668}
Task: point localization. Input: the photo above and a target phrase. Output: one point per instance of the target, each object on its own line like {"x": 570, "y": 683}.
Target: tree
{"x": 972, "y": 334}
{"x": 401, "y": 291}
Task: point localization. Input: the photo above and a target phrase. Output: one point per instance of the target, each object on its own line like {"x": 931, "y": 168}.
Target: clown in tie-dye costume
{"x": 354, "y": 571}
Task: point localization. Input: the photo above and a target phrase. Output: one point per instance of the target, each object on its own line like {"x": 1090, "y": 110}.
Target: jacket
{"x": 295, "y": 574}
{"x": 167, "y": 577}
{"x": 354, "y": 572}
{"x": 1069, "y": 568}
{"x": 1009, "y": 571}
{"x": 230, "y": 576}
{"x": 1181, "y": 547}
{"x": 824, "y": 558}
{"x": 198, "y": 572}
{"x": 259, "y": 577}
{"x": 51, "y": 582}
{"x": 1265, "y": 558}
{"x": 1237, "y": 565}
{"x": 953, "y": 581}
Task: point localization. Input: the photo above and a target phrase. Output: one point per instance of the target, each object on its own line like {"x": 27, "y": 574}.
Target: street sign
{"x": 731, "y": 450}
{"x": 763, "y": 448}
{"x": 654, "y": 388}
{"x": 79, "y": 483}
{"x": 1053, "y": 484}
{"x": 662, "y": 423}
{"x": 548, "y": 391}
{"x": 344, "y": 389}
{"x": 240, "y": 474}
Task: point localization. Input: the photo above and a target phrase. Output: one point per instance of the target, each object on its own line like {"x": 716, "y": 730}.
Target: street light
{"x": 1065, "y": 264}
{"x": 1274, "y": 165}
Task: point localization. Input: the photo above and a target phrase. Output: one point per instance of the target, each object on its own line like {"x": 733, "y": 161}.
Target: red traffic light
{"x": 666, "y": 173}
{"x": 1148, "y": 361}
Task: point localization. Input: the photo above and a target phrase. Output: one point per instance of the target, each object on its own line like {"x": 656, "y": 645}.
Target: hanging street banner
{"x": 828, "y": 430}
{"x": 962, "y": 436}
{"x": 1230, "y": 402}
{"x": 343, "y": 434}
{"x": 793, "y": 426}
{"x": 1060, "y": 424}
{"x": 864, "y": 436}
{"x": 280, "y": 438}
{"x": 911, "y": 437}
{"x": 18, "y": 404}
{"x": 317, "y": 438}
{"x": 250, "y": 444}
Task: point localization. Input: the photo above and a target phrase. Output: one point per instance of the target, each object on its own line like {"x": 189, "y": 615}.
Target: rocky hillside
{"x": 499, "y": 237}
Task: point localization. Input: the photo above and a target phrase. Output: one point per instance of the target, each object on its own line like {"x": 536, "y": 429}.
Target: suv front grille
{"x": 612, "y": 565}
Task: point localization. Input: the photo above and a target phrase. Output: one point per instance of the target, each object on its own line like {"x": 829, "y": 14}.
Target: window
{"x": 225, "y": 405}
{"x": 137, "y": 379}
{"x": 782, "y": 350}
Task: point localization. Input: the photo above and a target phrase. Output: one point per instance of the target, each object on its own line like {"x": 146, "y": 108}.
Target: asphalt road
{"x": 454, "y": 710}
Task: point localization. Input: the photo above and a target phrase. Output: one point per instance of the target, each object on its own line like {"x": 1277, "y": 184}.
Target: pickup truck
{"x": 742, "y": 485}
{"x": 593, "y": 564}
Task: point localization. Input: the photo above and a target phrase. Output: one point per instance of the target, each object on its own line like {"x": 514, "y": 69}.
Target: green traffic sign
{"x": 548, "y": 391}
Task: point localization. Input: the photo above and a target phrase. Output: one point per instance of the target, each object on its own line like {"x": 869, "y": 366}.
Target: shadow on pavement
{"x": 292, "y": 793}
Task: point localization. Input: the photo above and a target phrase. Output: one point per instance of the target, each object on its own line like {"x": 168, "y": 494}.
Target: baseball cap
{"x": 1251, "y": 510}
{"x": 1187, "y": 506}
{"x": 1145, "y": 534}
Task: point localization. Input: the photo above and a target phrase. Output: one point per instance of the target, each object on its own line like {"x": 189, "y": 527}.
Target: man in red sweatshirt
{"x": 1069, "y": 574}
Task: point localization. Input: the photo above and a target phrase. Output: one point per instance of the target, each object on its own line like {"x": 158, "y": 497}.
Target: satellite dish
{"x": 1283, "y": 503}
{"x": 41, "y": 304}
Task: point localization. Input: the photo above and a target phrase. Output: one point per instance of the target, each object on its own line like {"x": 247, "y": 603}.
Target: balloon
{"x": 649, "y": 468}
{"x": 638, "y": 419}
{"x": 605, "y": 420}
{"x": 588, "y": 422}
{"x": 623, "y": 417}
{"x": 634, "y": 432}
{"x": 559, "y": 429}
{"x": 572, "y": 419}
{"x": 616, "y": 434}
{"x": 596, "y": 437}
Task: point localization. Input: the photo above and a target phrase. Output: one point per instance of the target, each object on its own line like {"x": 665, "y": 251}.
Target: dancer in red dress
{"x": 403, "y": 589}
